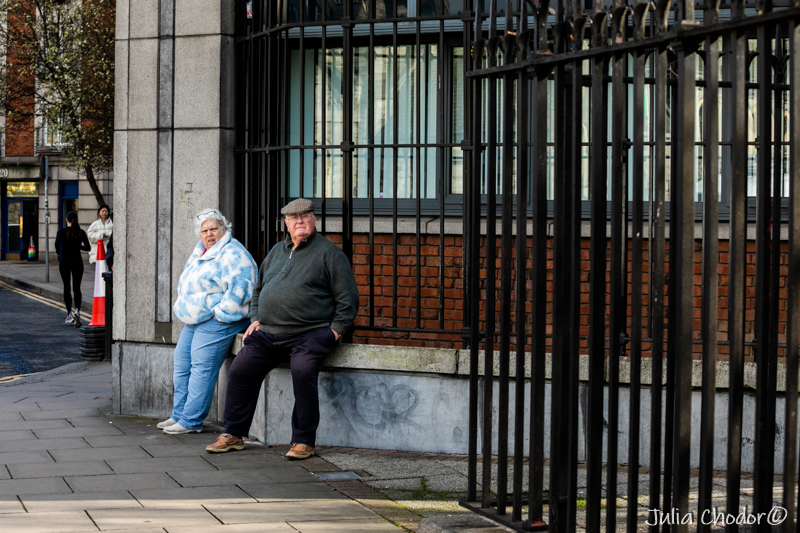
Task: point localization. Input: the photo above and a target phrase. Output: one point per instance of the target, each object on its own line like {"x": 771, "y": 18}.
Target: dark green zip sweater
{"x": 309, "y": 287}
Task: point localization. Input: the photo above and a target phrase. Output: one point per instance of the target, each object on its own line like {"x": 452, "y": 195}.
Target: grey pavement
{"x": 31, "y": 276}
{"x": 67, "y": 465}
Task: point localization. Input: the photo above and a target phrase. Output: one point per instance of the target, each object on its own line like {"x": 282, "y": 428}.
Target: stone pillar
{"x": 173, "y": 156}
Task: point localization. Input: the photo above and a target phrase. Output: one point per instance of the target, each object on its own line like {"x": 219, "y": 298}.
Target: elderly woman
{"x": 100, "y": 230}
{"x": 214, "y": 294}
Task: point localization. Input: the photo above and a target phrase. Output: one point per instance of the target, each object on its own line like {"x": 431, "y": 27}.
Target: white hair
{"x": 211, "y": 214}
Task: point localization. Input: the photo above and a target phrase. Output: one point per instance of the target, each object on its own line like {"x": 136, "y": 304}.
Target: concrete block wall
{"x": 173, "y": 150}
{"x": 415, "y": 399}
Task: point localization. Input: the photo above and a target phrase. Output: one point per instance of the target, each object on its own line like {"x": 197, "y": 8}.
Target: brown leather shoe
{"x": 300, "y": 451}
{"x": 225, "y": 443}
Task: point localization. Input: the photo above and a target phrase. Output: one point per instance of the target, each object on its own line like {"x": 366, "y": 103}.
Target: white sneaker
{"x": 166, "y": 423}
{"x": 178, "y": 429}
{"x": 69, "y": 319}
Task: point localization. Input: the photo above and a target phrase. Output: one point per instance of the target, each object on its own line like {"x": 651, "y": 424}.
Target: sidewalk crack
{"x": 148, "y": 453}
{"x": 209, "y": 462}
{"x": 109, "y": 466}
{"x": 175, "y": 480}
{"x": 22, "y": 504}
{"x": 92, "y": 519}
{"x": 51, "y": 456}
{"x": 212, "y": 514}
{"x": 135, "y": 498}
{"x": 9, "y": 472}
{"x": 70, "y": 488}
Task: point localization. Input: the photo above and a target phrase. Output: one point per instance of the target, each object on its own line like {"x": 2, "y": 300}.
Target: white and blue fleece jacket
{"x": 217, "y": 284}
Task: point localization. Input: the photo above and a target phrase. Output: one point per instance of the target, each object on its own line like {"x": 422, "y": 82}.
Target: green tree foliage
{"x": 67, "y": 47}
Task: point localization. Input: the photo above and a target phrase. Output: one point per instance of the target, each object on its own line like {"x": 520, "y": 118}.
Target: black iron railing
{"x": 608, "y": 51}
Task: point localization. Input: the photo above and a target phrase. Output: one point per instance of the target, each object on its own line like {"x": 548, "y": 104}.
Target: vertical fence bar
{"x": 538, "y": 270}
{"x": 573, "y": 270}
{"x": 441, "y": 152}
{"x": 491, "y": 248}
{"x": 521, "y": 266}
{"x": 395, "y": 153}
{"x": 371, "y": 167}
{"x": 347, "y": 130}
{"x": 682, "y": 246}
{"x": 619, "y": 263}
{"x": 737, "y": 256}
{"x": 658, "y": 257}
{"x": 792, "y": 282}
{"x": 597, "y": 275}
{"x": 710, "y": 293}
{"x": 637, "y": 223}
{"x": 764, "y": 451}
{"x": 558, "y": 461}
{"x": 418, "y": 153}
{"x": 474, "y": 242}
{"x": 507, "y": 43}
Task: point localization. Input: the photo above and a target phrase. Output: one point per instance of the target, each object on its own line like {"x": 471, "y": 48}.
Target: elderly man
{"x": 304, "y": 300}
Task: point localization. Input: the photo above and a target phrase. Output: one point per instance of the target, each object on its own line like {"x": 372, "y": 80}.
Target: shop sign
{"x": 15, "y": 189}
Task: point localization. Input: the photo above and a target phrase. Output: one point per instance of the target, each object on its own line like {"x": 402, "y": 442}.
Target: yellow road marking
{"x": 43, "y": 299}
{"x": 9, "y": 379}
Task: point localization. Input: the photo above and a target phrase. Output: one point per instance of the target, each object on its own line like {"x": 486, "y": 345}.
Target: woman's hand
{"x": 335, "y": 335}
{"x": 253, "y": 327}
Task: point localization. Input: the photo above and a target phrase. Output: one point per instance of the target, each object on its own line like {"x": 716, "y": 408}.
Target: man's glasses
{"x": 305, "y": 217}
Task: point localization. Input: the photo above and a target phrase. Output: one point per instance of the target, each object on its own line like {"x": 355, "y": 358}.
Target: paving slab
{"x": 104, "y": 431}
{"x": 42, "y": 444}
{"x": 24, "y": 457}
{"x": 98, "y": 454}
{"x": 350, "y": 526}
{"x": 10, "y": 504}
{"x": 155, "y": 480}
{"x": 159, "y": 449}
{"x": 104, "y": 405}
{"x": 10, "y": 417}
{"x": 89, "y": 422}
{"x": 42, "y": 470}
{"x": 61, "y": 413}
{"x": 304, "y": 511}
{"x": 48, "y": 503}
{"x": 225, "y": 461}
{"x": 67, "y": 522}
{"x": 132, "y": 440}
{"x": 272, "y": 492}
{"x": 111, "y": 519}
{"x": 190, "y": 496}
{"x": 35, "y": 424}
{"x": 34, "y": 486}
{"x": 163, "y": 464}
{"x": 22, "y": 434}
{"x": 273, "y": 527}
{"x": 237, "y": 477}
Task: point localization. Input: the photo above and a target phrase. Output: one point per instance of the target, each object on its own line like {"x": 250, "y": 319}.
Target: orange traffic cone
{"x": 99, "y": 302}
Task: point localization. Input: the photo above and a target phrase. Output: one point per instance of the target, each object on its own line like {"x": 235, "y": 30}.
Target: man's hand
{"x": 253, "y": 327}
{"x": 335, "y": 335}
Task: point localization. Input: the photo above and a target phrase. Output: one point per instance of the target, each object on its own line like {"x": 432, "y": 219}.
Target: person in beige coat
{"x": 100, "y": 230}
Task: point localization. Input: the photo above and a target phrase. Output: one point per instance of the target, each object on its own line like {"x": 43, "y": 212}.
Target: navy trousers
{"x": 261, "y": 353}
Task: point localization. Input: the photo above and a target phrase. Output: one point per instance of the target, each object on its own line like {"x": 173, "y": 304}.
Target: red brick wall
{"x": 20, "y": 104}
{"x": 434, "y": 316}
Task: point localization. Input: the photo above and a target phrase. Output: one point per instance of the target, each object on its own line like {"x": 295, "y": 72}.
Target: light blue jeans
{"x": 200, "y": 352}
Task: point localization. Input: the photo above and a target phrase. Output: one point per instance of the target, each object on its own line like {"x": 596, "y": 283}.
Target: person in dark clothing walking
{"x": 69, "y": 243}
{"x": 304, "y": 300}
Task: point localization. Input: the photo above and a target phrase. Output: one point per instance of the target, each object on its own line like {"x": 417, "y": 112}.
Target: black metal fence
{"x": 584, "y": 152}
{"x": 624, "y": 65}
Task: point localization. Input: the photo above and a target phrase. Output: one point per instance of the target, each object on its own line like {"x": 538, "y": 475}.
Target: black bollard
{"x": 109, "y": 279}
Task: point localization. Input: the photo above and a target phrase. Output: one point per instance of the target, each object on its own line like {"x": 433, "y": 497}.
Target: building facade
{"x": 27, "y": 204}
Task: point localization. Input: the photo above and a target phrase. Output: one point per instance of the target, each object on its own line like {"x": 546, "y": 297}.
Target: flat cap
{"x": 301, "y": 205}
